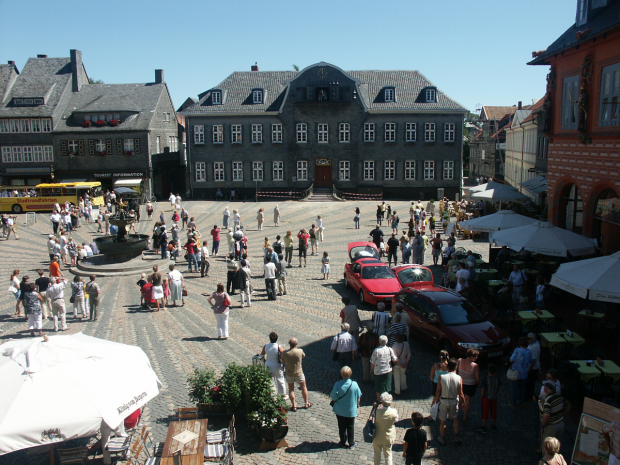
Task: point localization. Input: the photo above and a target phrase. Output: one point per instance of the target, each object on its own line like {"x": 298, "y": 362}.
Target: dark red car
{"x": 448, "y": 321}
{"x": 367, "y": 275}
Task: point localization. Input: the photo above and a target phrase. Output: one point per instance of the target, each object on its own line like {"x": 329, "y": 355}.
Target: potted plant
{"x": 205, "y": 391}
{"x": 266, "y": 412}
{"x": 86, "y": 124}
{"x": 100, "y": 123}
{"x": 232, "y": 385}
{"x": 114, "y": 122}
{"x": 129, "y": 152}
{"x": 102, "y": 153}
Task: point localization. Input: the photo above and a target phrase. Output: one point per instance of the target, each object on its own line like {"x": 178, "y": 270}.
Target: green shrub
{"x": 201, "y": 384}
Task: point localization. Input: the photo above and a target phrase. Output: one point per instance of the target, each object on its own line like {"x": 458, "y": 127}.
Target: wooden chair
{"x": 598, "y": 307}
{"x": 556, "y": 325}
{"x": 188, "y": 413}
{"x": 119, "y": 446}
{"x": 134, "y": 456}
{"x": 536, "y": 327}
{"x": 220, "y": 444}
{"x": 561, "y": 352}
{"x": 73, "y": 455}
{"x": 592, "y": 353}
{"x": 599, "y": 387}
{"x": 157, "y": 448}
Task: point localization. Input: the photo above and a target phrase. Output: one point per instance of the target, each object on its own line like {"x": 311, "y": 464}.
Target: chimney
{"x": 255, "y": 66}
{"x": 519, "y": 106}
{"x": 41, "y": 56}
{"x": 11, "y": 62}
{"x": 159, "y": 76}
{"x": 76, "y": 65}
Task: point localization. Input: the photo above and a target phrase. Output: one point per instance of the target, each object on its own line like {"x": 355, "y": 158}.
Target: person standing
{"x": 369, "y": 341}
{"x": 226, "y": 220}
{"x": 260, "y": 218}
{"x": 273, "y": 360}
{"x": 437, "y": 245}
{"x": 94, "y": 292}
{"x": 489, "y": 392}
{"x": 397, "y": 327}
{"x": 377, "y": 236}
{"x": 176, "y": 284}
{"x": 469, "y": 371}
{"x": 55, "y": 220}
{"x": 32, "y": 307}
{"x": 292, "y": 359}
{"x": 325, "y": 266}
{"x": 190, "y": 248}
{"x": 288, "y": 248}
{"x": 77, "y": 293}
{"x": 51, "y": 241}
{"x": 276, "y": 217}
{"x": 381, "y": 364}
{"x": 281, "y": 275}
{"x": 55, "y": 267}
{"x": 344, "y": 344}
{"x": 403, "y": 355}
{"x": 553, "y": 456}
{"x": 243, "y": 281}
{"x": 313, "y": 232}
{"x": 158, "y": 289}
{"x": 415, "y": 442}
{"x": 552, "y": 412}
{"x": 320, "y": 228}
{"x": 303, "y": 236}
{"x": 346, "y": 396}
{"x": 184, "y": 218}
{"x": 534, "y": 373}
{"x": 393, "y": 245}
{"x": 356, "y": 218}
{"x": 236, "y": 220}
{"x": 149, "y": 210}
{"x": 177, "y": 202}
{"x": 163, "y": 242}
{"x": 42, "y": 284}
{"x": 521, "y": 360}
{"x": 381, "y": 319}
{"x": 449, "y": 394}
{"x": 270, "y": 278}
{"x": 56, "y": 294}
{"x": 172, "y": 200}
{"x": 350, "y": 315}
{"x": 220, "y": 302}
{"x": 385, "y": 432}
{"x": 204, "y": 260}
{"x": 518, "y": 280}
{"x": 215, "y": 242}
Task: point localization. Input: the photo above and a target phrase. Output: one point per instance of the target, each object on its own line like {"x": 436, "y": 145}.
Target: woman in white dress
{"x": 276, "y": 216}
{"x": 175, "y": 279}
{"x": 158, "y": 289}
{"x": 273, "y": 361}
{"x": 319, "y": 224}
{"x": 177, "y": 202}
{"x": 63, "y": 246}
{"x": 236, "y": 220}
{"x": 16, "y": 291}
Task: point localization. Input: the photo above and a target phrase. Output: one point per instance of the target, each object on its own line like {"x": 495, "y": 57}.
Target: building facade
{"x": 390, "y": 132}
{"x": 581, "y": 120}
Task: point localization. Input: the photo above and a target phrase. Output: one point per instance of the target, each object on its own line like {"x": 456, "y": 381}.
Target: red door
{"x": 323, "y": 173}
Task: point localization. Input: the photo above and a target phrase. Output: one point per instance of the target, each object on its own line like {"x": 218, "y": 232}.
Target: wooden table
{"x": 587, "y": 373}
{"x": 594, "y": 316}
{"x": 193, "y": 452}
{"x": 551, "y": 339}
{"x": 530, "y": 315}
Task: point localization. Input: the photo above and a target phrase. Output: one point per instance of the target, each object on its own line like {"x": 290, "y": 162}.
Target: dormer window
{"x": 389, "y": 94}
{"x": 257, "y": 96}
{"x": 216, "y": 97}
{"x": 431, "y": 95}
{"x": 38, "y": 101}
{"x": 582, "y": 12}
{"x": 18, "y": 101}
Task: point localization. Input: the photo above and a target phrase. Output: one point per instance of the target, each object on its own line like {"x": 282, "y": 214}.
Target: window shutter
{"x": 81, "y": 147}
{"x": 119, "y": 146}
{"x": 91, "y": 146}
{"x": 136, "y": 146}
{"x": 108, "y": 146}
{"x": 63, "y": 148}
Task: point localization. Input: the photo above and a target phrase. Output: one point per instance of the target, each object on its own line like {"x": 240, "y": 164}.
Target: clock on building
{"x": 322, "y": 73}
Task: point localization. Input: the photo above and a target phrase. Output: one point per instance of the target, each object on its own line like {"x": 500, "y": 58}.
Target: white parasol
{"x": 594, "y": 278}
{"x": 487, "y": 186}
{"x": 503, "y": 219}
{"x": 501, "y": 193}
{"x": 62, "y": 389}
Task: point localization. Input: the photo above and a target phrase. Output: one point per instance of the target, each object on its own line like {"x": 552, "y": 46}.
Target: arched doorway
{"x": 570, "y": 209}
{"x": 606, "y": 220}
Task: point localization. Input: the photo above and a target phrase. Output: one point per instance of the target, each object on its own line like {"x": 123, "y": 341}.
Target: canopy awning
{"x": 128, "y": 182}
{"x": 536, "y": 185}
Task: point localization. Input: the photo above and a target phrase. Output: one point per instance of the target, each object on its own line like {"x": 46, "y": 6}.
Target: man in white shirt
{"x": 345, "y": 345}
{"x": 87, "y": 249}
{"x": 10, "y": 226}
{"x": 462, "y": 277}
{"x": 55, "y": 293}
{"x": 270, "y": 278}
{"x": 518, "y": 279}
{"x": 204, "y": 261}
{"x": 55, "y": 220}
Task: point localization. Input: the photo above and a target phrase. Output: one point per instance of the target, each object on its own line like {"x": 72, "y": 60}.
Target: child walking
{"x": 489, "y": 391}
{"x": 415, "y": 441}
{"x": 141, "y": 283}
{"x": 166, "y": 288}
{"x": 325, "y": 267}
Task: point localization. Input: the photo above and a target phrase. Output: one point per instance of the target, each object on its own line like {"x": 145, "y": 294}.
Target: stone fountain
{"x": 123, "y": 246}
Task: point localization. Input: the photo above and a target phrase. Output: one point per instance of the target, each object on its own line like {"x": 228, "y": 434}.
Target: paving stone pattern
{"x": 179, "y": 339}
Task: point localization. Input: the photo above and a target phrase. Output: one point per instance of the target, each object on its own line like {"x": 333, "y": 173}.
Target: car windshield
{"x": 363, "y": 252}
{"x": 459, "y": 313}
{"x": 377, "y": 272}
{"x": 414, "y": 275}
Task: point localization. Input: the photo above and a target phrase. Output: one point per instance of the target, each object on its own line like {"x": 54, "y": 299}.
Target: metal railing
{"x": 307, "y": 193}
{"x": 340, "y": 195}
{"x": 337, "y": 193}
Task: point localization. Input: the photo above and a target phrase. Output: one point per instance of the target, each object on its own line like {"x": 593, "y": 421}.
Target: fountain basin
{"x": 120, "y": 251}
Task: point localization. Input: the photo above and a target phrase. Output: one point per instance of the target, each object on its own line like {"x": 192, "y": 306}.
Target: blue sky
{"x": 475, "y": 51}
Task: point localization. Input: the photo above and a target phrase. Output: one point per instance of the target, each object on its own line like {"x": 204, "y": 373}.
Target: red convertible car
{"x": 372, "y": 279}
{"x": 415, "y": 276}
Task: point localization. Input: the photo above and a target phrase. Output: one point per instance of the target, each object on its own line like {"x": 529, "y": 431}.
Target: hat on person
{"x": 550, "y": 386}
{"x": 163, "y": 226}
{"x": 51, "y": 236}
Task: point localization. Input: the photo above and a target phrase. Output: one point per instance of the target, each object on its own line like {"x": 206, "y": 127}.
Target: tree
{"x": 93, "y": 81}
{"x": 295, "y": 67}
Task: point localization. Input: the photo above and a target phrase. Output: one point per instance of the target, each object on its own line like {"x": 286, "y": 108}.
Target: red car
{"x": 448, "y": 321}
{"x": 416, "y": 276}
{"x": 372, "y": 279}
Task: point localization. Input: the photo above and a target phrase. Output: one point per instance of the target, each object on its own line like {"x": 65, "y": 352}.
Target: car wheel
{"x": 17, "y": 208}
{"x": 362, "y": 301}
{"x": 448, "y": 348}
{"x": 346, "y": 282}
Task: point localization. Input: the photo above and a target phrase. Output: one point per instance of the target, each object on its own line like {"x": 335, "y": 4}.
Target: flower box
{"x": 114, "y": 122}
{"x": 129, "y": 152}
{"x": 100, "y": 123}
{"x": 102, "y": 153}
{"x": 86, "y": 124}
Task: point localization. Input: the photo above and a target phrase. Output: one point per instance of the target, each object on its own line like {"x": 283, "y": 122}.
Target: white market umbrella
{"x": 62, "y": 389}
{"x": 594, "y": 278}
{"x": 503, "y": 219}
{"x": 544, "y": 238}
{"x": 501, "y": 194}
{"x": 487, "y": 186}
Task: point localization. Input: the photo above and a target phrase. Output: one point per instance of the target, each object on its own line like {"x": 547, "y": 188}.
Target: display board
{"x": 590, "y": 444}
{"x": 31, "y": 218}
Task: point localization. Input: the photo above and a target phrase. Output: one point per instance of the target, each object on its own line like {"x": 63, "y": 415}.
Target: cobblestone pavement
{"x": 179, "y": 339}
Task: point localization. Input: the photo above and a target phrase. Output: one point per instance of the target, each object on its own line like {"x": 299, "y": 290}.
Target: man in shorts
{"x": 292, "y": 359}
{"x": 303, "y": 245}
{"x": 449, "y": 394}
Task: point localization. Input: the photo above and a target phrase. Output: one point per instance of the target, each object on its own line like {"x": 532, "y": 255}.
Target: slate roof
{"x": 237, "y": 92}
{"x": 8, "y": 74}
{"x": 139, "y": 99}
{"x": 600, "y": 20}
{"x": 41, "y": 77}
{"x": 497, "y": 113}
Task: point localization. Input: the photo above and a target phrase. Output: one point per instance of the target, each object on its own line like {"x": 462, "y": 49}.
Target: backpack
{"x": 311, "y": 232}
{"x": 277, "y": 247}
{"x": 302, "y": 243}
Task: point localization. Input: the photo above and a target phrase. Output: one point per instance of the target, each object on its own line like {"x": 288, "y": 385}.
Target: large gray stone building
{"x": 390, "y": 132}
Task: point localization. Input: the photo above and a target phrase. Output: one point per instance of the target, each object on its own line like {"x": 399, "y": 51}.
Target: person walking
{"x": 94, "y": 293}
{"x": 77, "y": 294}
{"x": 439, "y": 368}
{"x": 32, "y": 307}
{"x": 184, "y": 218}
{"x": 204, "y": 260}
{"x": 288, "y": 248}
{"x": 260, "y": 217}
{"x": 292, "y": 359}
{"x": 415, "y": 442}
{"x": 276, "y": 217}
{"x": 395, "y": 221}
{"x": 190, "y": 248}
{"x": 368, "y": 342}
{"x": 381, "y": 364}
{"x": 449, "y": 394}
{"x": 236, "y": 220}
{"x": 552, "y": 412}
{"x": 377, "y": 236}
{"x": 273, "y": 360}
{"x": 177, "y": 202}
{"x": 469, "y": 371}
{"x": 220, "y": 302}
{"x": 489, "y": 392}
{"x": 534, "y": 373}
{"x": 403, "y": 355}
{"x": 215, "y": 242}
{"x": 381, "y": 319}
{"x": 346, "y": 396}
{"x": 176, "y": 285}
{"x": 518, "y": 280}
{"x": 345, "y": 346}
{"x": 521, "y": 360}
{"x": 350, "y": 315}
{"x": 553, "y": 456}
{"x": 313, "y": 232}
{"x": 163, "y": 241}
{"x": 56, "y": 294}
{"x": 15, "y": 289}
{"x": 356, "y": 218}
{"x": 385, "y": 431}
{"x": 397, "y": 327}
{"x": 325, "y": 267}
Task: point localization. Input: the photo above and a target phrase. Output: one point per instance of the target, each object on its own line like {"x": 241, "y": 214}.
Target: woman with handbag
{"x": 176, "y": 285}
{"x": 521, "y": 360}
{"x": 381, "y": 365}
{"x": 346, "y": 396}
{"x": 273, "y": 361}
{"x": 220, "y": 302}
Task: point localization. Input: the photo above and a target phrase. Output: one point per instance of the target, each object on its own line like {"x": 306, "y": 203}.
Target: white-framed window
{"x": 72, "y": 146}
{"x": 389, "y": 170}
{"x": 37, "y": 154}
{"x": 344, "y": 132}
{"x": 17, "y": 154}
{"x": 158, "y": 144}
{"x": 38, "y": 101}
{"x": 27, "y": 151}
{"x": 235, "y": 133}
{"x": 302, "y": 133}
{"x": 19, "y": 101}
{"x": 570, "y": 98}
{"x": 14, "y": 126}
{"x": 448, "y": 170}
{"x": 410, "y": 132}
{"x": 127, "y": 145}
{"x": 48, "y": 153}
{"x": 369, "y": 132}
{"x": 257, "y": 133}
{"x": 323, "y": 133}
{"x": 409, "y": 170}
{"x": 257, "y": 171}
{"x": 429, "y": 170}
{"x": 431, "y": 95}
{"x": 429, "y": 132}
{"x": 109, "y": 117}
{"x": 276, "y": 133}
{"x": 7, "y": 156}
{"x": 237, "y": 171}
{"x": 218, "y": 134}
{"x": 172, "y": 143}
{"x": 28, "y": 101}
{"x": 100, "y": 146}
{"x": 369, "y": 171}
{"x": 389, "y": 95}
{"x": 218, "y": 171}
{"x": 610, "y": 94}
{"x": 257, "y": 96}
{"x": 448, "y": 132}
{"x": 35, "y": 125}
{"x": 278, "y": 171}
{"x": 4, "y": 126}
{"x": 166, "y": 117}
{"x": 199, "y": 134}
{"x": 201, "y": 171}
{"x": 390, "y": 132}
{"x": 582, "y": 12}
{"x": 25, "y": 125}
{"x": 345, "y": 170}
{"x": 216, "y": 97}
{"x": 302, "y": 170}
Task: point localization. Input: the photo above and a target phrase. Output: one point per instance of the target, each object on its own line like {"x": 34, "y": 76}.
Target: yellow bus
{"x": 43, "y": 197}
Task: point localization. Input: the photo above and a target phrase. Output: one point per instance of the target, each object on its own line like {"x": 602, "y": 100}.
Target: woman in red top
{"x": 147, "y": 293}
{"x": 215, "y": 247}
{"x": 190, "y": 247}
{"x": 175, "y": 217}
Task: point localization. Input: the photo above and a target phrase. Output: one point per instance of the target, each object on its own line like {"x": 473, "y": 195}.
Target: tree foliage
{"x": 295, "y": 67}
{"x": 95, "y": 81}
